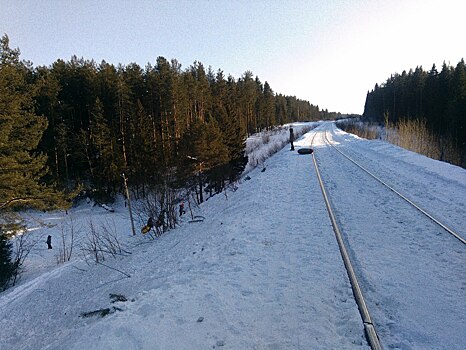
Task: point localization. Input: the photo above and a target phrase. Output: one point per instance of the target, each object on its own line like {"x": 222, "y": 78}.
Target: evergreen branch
{"x": 19, "y": 199}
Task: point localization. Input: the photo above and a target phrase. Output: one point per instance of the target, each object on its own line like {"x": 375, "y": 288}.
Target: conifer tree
{"x": 61, "y": 138}
{"x": 21, "y": 168}
{"x": 437, "y": 98}
{"x": 101, "y": 148}
{"x": 456, "y": 107}
{"x": 142, "y": 145}
{"x": 6, "y": 266}
{"x": 248, "y": 98}
{"x": 280, "y": 109}
{"x": 203, "y": 150}
{"x": 234, "y": 135}
{"x": 268, "y": 106}
{"x": 46, "y": 101}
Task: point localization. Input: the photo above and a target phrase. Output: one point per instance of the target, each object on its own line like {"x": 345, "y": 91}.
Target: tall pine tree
{"x": 21, "y": 169}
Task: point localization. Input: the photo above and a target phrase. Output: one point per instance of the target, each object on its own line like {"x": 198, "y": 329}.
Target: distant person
{"x": 150, "y": 222}
{"x": 148, "y": 227}
{"x": 182, "y": 208}
{"x": 160, "y": 224}
{"x": 291, "y": 138}
{"x": 49, "y": 242}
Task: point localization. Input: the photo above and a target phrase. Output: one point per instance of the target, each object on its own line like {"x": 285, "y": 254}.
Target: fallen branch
{"x": 101, "y": 312}
{"x": 122, "y": 272}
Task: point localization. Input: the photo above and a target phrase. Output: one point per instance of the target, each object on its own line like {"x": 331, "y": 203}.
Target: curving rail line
{"x": 431, "y": 217}
{"x": 369, "y": 328}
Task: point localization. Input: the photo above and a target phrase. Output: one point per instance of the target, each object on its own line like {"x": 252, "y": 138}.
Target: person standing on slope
{"x": 49, "y": 242}
{"x": 291, "y": 138}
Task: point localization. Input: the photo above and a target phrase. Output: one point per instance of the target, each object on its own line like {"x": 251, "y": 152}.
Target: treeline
{"x": 104, "y": 120}
{"x": 438, "y": 98}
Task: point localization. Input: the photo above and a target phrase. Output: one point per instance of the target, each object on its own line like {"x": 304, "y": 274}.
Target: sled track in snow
{"x": 430, "y": 216}
{"x": 369, "y": 328}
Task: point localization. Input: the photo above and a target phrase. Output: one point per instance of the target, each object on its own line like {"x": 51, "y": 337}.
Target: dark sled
{"x": 305, "y": 151}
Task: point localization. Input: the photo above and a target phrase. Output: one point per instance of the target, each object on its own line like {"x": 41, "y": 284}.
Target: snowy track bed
{"x": 438, "y": 187}
{"x": 411, "y": 270}
{"x": 369, "y": 328}
{"x": 430, "y": 216}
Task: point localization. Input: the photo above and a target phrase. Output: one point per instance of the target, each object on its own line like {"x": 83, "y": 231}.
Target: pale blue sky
{"x": 328, "y": 52}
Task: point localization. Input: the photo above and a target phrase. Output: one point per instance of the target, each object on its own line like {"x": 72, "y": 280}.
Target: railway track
{"x": 398, "y": 193}
{"x": 369, "y": 327}
{"x": 359, "y": 268}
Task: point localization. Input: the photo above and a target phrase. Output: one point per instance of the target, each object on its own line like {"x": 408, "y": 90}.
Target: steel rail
{"x": 445, "y": 227}
{"x": 369, "y": 328}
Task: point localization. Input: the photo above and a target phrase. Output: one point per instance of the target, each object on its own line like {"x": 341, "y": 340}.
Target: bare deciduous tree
{"x": 160, "y": 203}
{"x": 68, "y": 231}
{"x": 22, "y": 246}
{"x": 102, "y": 241}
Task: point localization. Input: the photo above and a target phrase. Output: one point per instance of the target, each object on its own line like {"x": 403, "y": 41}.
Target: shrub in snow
{"x": 23, "y": 243}
{"x": 161, "y": 204}
{"x": 101, "y": 242}
{"x": 68, "y": 232}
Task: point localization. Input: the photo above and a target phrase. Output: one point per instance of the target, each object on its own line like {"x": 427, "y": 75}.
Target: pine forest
{"x": 436, "y": 99}
{"x": 86, "y": 124}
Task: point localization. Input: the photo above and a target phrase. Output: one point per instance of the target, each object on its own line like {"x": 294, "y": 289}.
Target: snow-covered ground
{"x": 263, "y": 270}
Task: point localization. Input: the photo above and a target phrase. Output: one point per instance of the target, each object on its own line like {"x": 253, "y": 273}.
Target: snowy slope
{"x": 263, "y": 271}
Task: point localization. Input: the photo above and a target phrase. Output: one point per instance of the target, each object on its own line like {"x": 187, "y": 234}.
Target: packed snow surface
{"x": 263, "y": 270}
